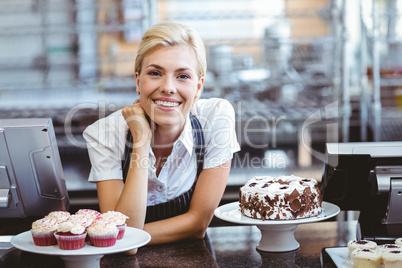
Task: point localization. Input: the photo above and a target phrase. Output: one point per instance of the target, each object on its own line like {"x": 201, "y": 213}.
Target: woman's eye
{"x": 183, "y": 76}
{"x": 153, "y": 73}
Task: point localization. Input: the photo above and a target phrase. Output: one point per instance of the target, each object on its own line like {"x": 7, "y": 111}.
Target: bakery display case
{"x": 381, "y": 76}
{"x": 276, "y": 64}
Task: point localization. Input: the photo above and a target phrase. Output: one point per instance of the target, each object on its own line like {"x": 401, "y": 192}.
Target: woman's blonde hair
{"x": 168, "y": 34}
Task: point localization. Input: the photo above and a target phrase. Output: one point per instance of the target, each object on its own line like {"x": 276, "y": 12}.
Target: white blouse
{"x": 106, "y": 142}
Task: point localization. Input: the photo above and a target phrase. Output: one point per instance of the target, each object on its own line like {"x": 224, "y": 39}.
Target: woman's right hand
{"x": 139, "y": 124}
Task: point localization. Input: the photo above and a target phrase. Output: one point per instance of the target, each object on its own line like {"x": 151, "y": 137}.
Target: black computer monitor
{"x": 31, "y": 175}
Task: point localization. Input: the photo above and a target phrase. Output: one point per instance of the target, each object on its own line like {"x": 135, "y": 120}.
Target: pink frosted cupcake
{"x": 102, "y": 233}
{"x": 89, "y": 212}
{"x": 82, "y": 220}
{"x": 117, "y": 218}
{"x": 70, "y": 236}
{"x": 43, "y": 232}
{"x": 59, "y": 216}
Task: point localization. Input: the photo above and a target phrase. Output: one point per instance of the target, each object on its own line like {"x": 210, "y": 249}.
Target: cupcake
{"x": 388, "y": 247}
{"x": 102, "y": 233}
{"x": 399, "y": 241}
{"x": 43, "y": 231}
{"x": 70, "y": 236}
{"x": 59, "y": 216}
{"x": 89, "y": 212}
{"x": 117, "y": 218}
{"x": 82, "y": 220}
{"x": 366, "y": 258}
{"x": 362, "y": 244}
{"x": 392, "y": 259}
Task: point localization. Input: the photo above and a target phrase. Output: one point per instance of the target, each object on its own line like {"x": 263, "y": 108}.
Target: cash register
{"x": 31, "y": 175}
{"x": 366, "y": 177}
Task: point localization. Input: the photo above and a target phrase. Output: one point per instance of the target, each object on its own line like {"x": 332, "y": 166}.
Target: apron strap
{"x": 180, "y": 204}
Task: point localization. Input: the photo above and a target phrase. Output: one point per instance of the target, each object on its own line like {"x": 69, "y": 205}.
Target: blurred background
{"x": 299, "y": 73}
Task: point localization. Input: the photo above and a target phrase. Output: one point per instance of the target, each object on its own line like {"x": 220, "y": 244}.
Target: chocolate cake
{"x": 280, "y": 198}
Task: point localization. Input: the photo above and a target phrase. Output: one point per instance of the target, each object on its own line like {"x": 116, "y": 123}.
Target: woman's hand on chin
{"x": 139, "y": 125}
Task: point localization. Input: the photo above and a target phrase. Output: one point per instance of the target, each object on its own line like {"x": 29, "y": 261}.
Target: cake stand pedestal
{"x": 277, "y": 238}
{"x": 276, "y": 235}
{"x": 83, "y": 261}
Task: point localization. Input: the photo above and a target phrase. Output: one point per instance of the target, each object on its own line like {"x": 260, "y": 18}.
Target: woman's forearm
{"x": 179, "y": 228}
{"x": 133, "y": 198}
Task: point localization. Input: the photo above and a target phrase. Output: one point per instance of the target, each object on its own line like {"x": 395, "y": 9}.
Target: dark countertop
{"x": 225, "y": 246}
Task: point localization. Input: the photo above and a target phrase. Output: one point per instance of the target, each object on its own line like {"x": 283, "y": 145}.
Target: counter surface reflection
{"x": 225, "y": 246}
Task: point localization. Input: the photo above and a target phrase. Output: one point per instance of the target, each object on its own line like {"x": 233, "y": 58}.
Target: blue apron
{"x": 180, "y": 204}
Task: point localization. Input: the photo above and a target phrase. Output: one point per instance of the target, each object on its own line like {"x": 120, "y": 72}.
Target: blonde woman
{"x": 164, "y": 161}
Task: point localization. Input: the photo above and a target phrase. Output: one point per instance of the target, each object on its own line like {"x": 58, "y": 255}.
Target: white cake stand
{"x": 276, "y": 235}
{"x": 87, "y": 257}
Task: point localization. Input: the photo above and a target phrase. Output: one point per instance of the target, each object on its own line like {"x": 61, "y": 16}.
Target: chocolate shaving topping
{"x": 295, "y": 205}
{"x": 293, "y": 196}
{"x": 307, "y": 191}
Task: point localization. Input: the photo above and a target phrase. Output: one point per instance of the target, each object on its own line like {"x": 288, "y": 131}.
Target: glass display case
{"x": 279, "y": 64}
{"x": 381, "y": 70}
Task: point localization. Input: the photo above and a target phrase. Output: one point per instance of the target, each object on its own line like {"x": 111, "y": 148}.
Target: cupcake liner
{"x": 393, "y": 264}
{"x": 122, "y": 230}
{"x": 70, "y": 242}
{"x": 43, "y": 239}
{"x": 363, "y": 263}
{"x": 103, "y": 240}
{"x": 392, "y": 259}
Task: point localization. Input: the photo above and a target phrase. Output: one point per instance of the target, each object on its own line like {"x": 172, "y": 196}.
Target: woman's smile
{"x": 166, "y": 104}
{"x": 169, "y": 84}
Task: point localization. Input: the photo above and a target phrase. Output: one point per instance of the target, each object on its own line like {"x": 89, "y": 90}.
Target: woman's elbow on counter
{"x": 200, "y": 229}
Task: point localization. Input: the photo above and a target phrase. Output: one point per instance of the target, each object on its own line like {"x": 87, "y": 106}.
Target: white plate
{"x": 231, "y": 213}
{"x": 133, "y": 238}
{"x": 340, "y": 256}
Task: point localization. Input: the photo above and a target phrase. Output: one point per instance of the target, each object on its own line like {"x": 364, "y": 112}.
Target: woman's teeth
{"x": 167, "y": 103}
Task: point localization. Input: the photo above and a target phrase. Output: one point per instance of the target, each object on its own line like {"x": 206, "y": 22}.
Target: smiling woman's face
{"x": 169, "y": 84}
